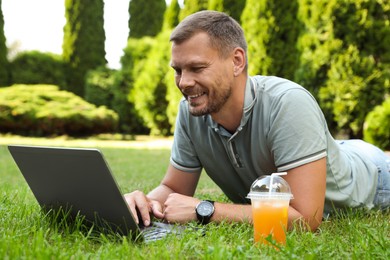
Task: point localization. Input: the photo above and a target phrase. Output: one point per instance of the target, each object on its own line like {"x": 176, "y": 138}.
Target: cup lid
{"x": 270, "y": 186}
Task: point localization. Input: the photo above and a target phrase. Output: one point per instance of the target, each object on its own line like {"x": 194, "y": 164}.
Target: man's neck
{"x": 230, "y": 115}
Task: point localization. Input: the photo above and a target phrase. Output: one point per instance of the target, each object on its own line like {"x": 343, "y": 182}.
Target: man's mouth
{"x": 194, "y": 97}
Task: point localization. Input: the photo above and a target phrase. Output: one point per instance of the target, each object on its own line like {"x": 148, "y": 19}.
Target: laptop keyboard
{"x": 159, "y": 230}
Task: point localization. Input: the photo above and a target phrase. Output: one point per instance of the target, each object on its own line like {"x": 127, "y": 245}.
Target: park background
{"x": 338, "y": 50}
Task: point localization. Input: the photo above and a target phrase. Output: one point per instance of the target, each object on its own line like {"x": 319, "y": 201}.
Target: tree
{"x": 84, "y": 39}
{"x": 316, "y": 43}
{"x": 233, "y": 8}
{"x": 192, "y": 6}
{"x": 272, "y": 32}
{"x": 4, "y": 65}
{"x": 216, "y": 5}
{"x": 146, "y": 20}
{"x": 149, "y": 90}
{"x": 171, "y": 15}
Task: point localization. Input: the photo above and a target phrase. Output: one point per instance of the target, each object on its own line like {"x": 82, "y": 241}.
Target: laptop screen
{"x": 75, "y": 179}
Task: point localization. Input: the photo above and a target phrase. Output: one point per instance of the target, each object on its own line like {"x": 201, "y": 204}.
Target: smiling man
{"x": 238, "y": 128}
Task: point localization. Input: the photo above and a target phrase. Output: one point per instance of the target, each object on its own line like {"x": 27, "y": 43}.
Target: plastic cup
{"x": 270, "y": 197}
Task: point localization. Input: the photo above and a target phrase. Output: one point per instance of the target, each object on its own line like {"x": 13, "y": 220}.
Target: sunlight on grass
{"x": 141, "y": 142}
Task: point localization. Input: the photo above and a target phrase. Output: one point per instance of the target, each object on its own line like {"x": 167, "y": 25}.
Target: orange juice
{"x": 270, "y": 218}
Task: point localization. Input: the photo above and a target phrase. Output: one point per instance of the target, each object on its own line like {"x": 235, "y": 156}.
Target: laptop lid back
{"x": 78, "y": 180}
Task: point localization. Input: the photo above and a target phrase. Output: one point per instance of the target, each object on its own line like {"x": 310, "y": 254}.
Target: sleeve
{"x": 297, "y": 133}
{"x": 183, "y": 154}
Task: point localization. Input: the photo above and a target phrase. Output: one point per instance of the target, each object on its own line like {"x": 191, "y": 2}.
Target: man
{"x": 238, "y": 128}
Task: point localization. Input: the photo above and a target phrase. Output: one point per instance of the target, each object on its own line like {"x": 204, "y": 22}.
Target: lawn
{"x": 25, "y": 233}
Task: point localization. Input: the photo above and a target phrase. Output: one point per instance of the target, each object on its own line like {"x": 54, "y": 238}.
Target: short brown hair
{"x": 225, "y": 33}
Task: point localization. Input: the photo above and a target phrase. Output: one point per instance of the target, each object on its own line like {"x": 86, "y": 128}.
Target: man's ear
{"x": 239, "y": 61}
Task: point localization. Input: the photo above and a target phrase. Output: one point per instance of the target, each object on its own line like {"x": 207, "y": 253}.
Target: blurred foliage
{"x": 146, "y": 21}
{"x": 4, "y": 65}
{"x": 34, "y": 67}
{"x": 42, "y": 110}
{"x": 272, "y": 31}
{"x": 192, "y": 6}
{"x": 107, "y": 87}
{"x": 149, "y": 90}
{"x": 377, "y": 126}
{"x": 84, "y": 38}
{"x": 233, "y": 8}
{"x": 357, "y": 77}
{"x": 171, "y": 15}
{"x": 353, "y": 88}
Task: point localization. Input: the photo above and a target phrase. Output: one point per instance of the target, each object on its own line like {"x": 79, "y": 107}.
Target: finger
{"x": 139, "y": 207}
{"x": 144, "y": 209}
{"x": 129, "y": 198}
{"x": 157, "y": 209}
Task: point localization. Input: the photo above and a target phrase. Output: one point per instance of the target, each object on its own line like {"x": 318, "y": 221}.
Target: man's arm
{"x": 308, "y": 185}
{"x": 173, "y": 200}
{"x": 307, "y": 182}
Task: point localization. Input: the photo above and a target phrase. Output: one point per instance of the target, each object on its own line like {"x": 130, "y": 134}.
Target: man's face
{"x": 204, "y": 78}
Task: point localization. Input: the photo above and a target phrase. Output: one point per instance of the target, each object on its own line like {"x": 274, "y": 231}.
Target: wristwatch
{"x": 204, "y": 211}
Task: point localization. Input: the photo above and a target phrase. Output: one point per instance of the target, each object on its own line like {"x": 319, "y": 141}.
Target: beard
{"x": 215, "y": 102}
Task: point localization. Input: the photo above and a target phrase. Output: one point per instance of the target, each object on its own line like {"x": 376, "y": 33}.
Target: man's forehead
{"x": 197, "y": 38}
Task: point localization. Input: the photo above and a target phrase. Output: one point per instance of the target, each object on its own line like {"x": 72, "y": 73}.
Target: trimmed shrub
{"x": 44, "y": 110}
{"x": 34, "y": 67}
{"x": 377, "y": 126}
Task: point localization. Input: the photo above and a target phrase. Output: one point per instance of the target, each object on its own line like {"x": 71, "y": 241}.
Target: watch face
{"x": 205, "y": 208}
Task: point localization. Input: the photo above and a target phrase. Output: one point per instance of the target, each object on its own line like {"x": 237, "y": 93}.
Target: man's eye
{"x": 197, "y": 69}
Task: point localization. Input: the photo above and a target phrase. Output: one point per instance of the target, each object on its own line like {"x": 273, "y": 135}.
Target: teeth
{"x": 195, "y": 96}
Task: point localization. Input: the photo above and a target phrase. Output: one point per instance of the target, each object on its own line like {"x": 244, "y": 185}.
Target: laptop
{"x": 79, "y": 181}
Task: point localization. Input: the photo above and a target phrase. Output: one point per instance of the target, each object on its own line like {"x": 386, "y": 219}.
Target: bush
{"x": 377, "y": 126}
{"x": 106, "y": 87}
{"x": 34, "y": 67}
{"x": 44, "y": 110}
{"x": 98, "y": 86}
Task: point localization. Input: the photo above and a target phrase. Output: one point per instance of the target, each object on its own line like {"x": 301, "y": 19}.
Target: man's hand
{"x": 166, "y": 196}
{"x": 180, "y": 208}
{"x": 138, "y": 200}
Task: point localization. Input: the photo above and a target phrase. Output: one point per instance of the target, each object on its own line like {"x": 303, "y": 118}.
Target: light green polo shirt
{"x": 282, "y": 127}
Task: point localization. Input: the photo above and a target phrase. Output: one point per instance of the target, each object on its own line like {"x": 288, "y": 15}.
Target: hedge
{"x": 34, "y": 67}
{"x": 43, "y": 110}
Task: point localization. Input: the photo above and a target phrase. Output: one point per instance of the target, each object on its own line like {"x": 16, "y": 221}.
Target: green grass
{"x": 25, "y": 233}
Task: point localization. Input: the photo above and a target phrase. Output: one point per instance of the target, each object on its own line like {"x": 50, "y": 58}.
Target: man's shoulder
{"x": 276, "y": 87}
{"x": 274, "y": 83}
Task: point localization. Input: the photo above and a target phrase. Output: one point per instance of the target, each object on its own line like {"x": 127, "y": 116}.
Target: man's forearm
{"x": 243, "y": 213}
{"x": 232, "y": 212}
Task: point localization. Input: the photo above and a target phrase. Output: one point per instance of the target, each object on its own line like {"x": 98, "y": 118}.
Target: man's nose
{"x": 186, "y": 80}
